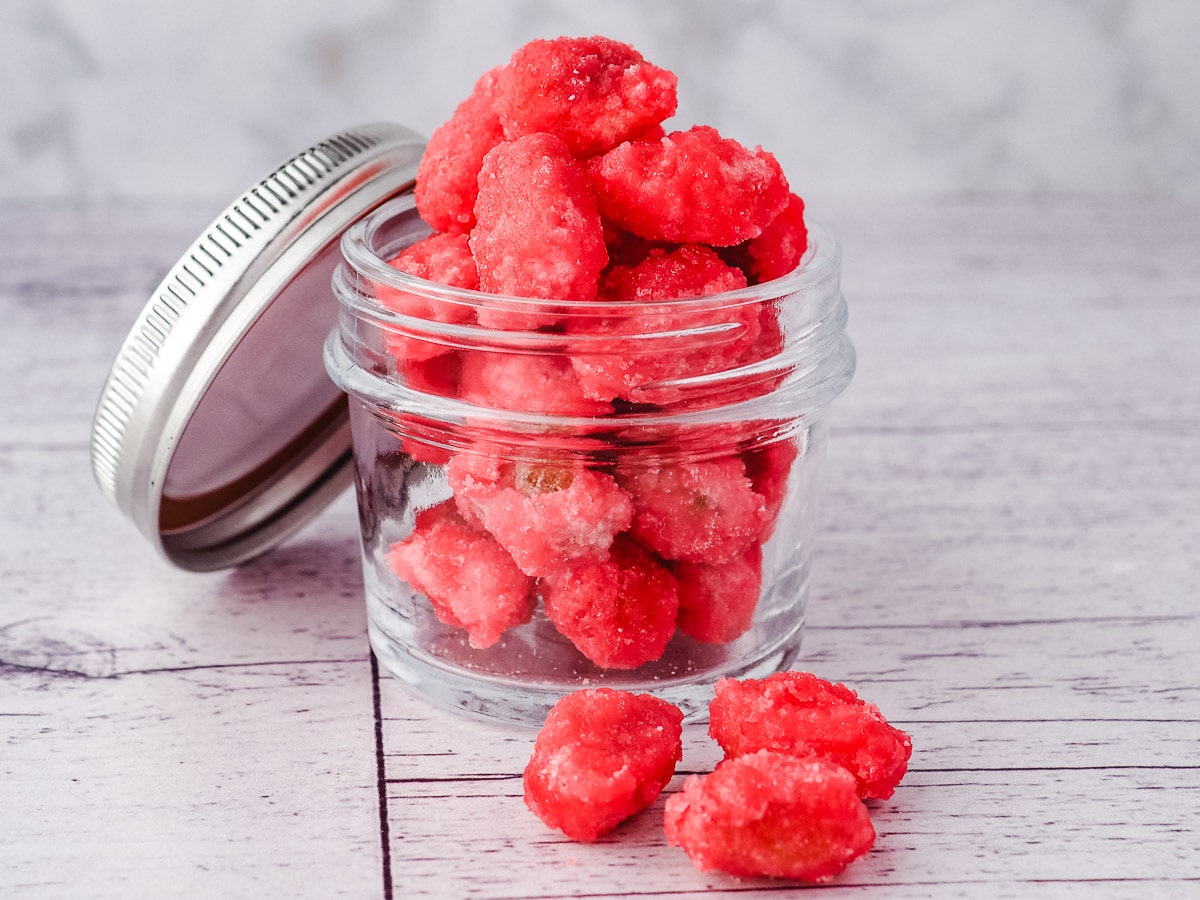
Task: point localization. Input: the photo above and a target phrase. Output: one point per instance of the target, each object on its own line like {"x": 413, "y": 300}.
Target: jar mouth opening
{"x": 367, "y": 248}
{"x": 774, "y": 349}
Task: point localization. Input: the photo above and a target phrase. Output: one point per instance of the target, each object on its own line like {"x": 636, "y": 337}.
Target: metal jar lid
{"x": 218, "y": 431}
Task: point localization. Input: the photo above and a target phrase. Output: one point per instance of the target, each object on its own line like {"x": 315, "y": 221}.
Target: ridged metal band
{"x": 247, "y": 221}
{"x": 359, "y": 166}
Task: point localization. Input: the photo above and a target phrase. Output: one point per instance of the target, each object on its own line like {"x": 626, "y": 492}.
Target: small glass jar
{"x": 563, "y": 494}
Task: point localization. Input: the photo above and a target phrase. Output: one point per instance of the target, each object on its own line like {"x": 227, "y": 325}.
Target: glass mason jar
{"x": 562, "y": 494}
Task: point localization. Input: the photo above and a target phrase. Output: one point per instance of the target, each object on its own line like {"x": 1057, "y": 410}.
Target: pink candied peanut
{"x": 769, "y": 469}
{"x": 690, "y": 187}
{"x": 779, "y": 249}
{"x": 470, "y": 580}
{"x": 717, "y": 602}
{"x": 705, "y": 512}
{"x": 592, "y": 92}
{"x": 608, "y": 369}
{"x": 437, "y": 375}
{"x": 442, "y": 258}
{"x": 601, "y": 757}
{"x": 770, "y": 814}
{"x": 533, "y": 384}
{"x": 802, "y": 715}
{"x": 620, "y": 613}
{"x": 447, "y": 176}
{"x": 538, "y": 233}
{"x": 548, "y": 514}
{"x": 692, "y": 270}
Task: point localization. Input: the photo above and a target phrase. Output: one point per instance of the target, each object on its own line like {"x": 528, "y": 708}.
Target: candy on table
{"x": 619, "y": 613}
{"x": 601, "y": 756}
{"x": 538, "y": 232}
{"x": 592, "y": 92}
{"x": 548, "y": 514}
{"x": 799, "y": 714}
{"x": 447, "y": 176}
{"x": 471, "y": 581}
{"x": 771, "y": 814}
{"x": 705, "y": 512}
{"x": 442, "y": 258}
{"x": 611, "y": 368}
{"x": 717, "y": 601}
{"x": 691, "y": 186}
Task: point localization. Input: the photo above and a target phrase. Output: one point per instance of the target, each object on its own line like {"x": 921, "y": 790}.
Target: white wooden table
{"x": 1009, "y": 566}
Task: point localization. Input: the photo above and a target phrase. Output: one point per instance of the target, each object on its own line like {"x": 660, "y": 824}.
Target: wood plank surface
{"x": 1007, "y": 565}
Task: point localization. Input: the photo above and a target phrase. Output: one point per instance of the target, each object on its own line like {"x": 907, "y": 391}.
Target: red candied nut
{"x": 525, "y": 383}
{"x": 779, "y": 249}
{"x": 592, "y": 92}
{"x": 419, "y": 437}
{"x": 548, "y": 514}
{"x": 802, "y": 715}
{"x": 770, "y": 814}
{"x": 717, "y": 602}
{"x": 769, "y": 470}
{"x": 690, "y": 187}
{"x": 447, "y": 176}
{"x": 620, "y": 613}
{"x": 692, "y": 270}
{"x": 438, "y": 375}
{"x": 538, "y": 233}
{"x": 608, "y": 369}
{"x": 442, "y": 258}
{"x": 470, "y": 580}
{"x": 601, "y": 757}
{"x": 705, "y": 512}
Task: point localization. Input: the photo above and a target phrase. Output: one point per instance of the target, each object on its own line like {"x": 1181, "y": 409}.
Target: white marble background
{"x": 120, "y": 98}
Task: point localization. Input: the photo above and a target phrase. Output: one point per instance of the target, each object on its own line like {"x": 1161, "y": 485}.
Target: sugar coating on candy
{"x": 548, "y": 514}
{"x": 695, "y": 511}
{"x": 780, "y": 247}
{"x": 601, "y": 756}
{"x": 717, "y": 601}
{"x": 613, "y": 368}
{"x": 523, "y": 383}
{"x": 802, "y": 715}
{"x": 692, "y": 186}
{"x": 769, "y": 469}
{"x": 620, "y": 613}
{"x": 538, "y": 233}
{"x": 593, "y": 92}
{"x": 447, "y": 175}
{"x": 471, "y": 581}
{"x": 770, "y": 814}
{"x": 692, "y": 270}
{"x": 441, "y": 258}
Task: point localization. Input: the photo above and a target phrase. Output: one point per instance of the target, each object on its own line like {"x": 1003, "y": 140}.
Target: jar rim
{"x": 821, "y": 261}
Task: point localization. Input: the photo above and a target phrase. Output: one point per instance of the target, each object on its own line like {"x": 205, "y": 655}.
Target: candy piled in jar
{"x": 555, "y": 181}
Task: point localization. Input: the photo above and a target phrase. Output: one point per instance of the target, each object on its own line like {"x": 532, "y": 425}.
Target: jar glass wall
{"x": 561, "y": 494}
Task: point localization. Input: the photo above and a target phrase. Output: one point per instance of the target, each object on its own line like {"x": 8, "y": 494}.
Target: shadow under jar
{"x": 556, "y": 495}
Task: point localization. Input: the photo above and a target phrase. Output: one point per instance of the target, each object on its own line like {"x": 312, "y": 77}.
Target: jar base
{"x": 527, "y": 701}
